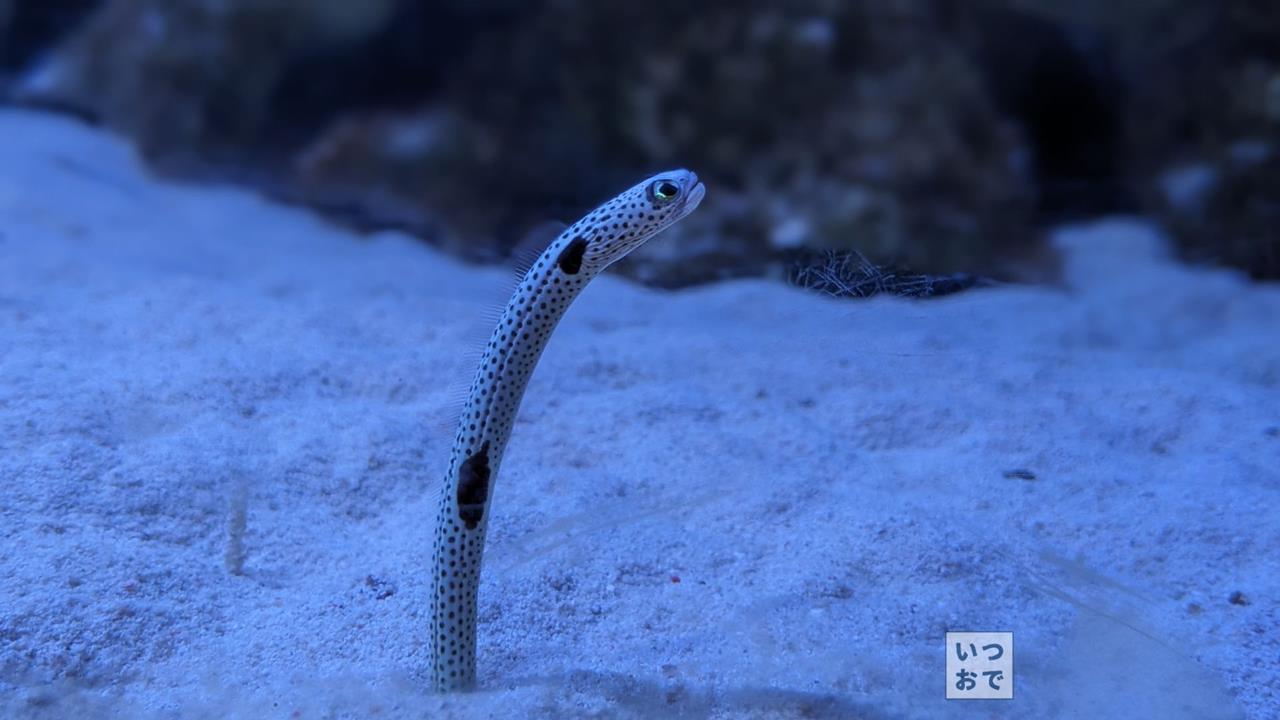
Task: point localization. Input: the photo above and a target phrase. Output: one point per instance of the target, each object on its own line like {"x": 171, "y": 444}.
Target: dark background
{"x": 938, "y": 135}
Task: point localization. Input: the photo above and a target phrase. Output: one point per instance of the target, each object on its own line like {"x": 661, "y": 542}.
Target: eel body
{"x": 552, "y": 281}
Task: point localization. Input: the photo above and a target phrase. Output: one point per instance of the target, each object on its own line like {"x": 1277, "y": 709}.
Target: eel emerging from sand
{"x": 552, "y": 282}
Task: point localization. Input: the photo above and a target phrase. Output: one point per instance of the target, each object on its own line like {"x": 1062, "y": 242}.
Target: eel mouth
{"x": 694, "y": 197}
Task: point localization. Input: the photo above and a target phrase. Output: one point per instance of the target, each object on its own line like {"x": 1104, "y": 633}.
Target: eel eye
{"x": 663, "y": 191}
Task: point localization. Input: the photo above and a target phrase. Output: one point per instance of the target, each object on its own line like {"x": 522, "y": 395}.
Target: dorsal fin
{"x": 532, "y": 244}
{"x": 520, "y": 259}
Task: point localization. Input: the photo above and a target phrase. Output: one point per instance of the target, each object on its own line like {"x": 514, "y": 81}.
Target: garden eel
{"x": 552, "y": 281}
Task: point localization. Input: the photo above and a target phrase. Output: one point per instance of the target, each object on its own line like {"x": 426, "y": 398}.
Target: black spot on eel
{"x": 553, "y": 280}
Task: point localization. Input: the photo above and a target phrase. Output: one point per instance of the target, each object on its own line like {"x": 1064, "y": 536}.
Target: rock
{"x": 379, "y": 169}
{"x": 1187, "y": 188}
{"x": 1202, "y": 108}
{"x": 28, "y": 29}
{"x": 193, "y": 81}
{"x": 934, "y": 136}
{"x": 1171, "y": 117}
{"x": 861, "y": 128}
{"x": 851, "y": 128}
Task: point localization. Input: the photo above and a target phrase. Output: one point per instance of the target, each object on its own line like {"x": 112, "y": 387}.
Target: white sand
{"x": 826, "y": 479}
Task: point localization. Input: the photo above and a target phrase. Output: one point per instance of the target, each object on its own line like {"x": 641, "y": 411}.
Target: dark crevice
{"x": 1059, "y": 83}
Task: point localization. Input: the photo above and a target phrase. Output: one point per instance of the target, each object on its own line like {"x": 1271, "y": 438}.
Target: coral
{"x": 851, "y": 275}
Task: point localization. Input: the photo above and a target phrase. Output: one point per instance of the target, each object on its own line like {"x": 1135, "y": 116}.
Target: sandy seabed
{"x": 738, "y": 501}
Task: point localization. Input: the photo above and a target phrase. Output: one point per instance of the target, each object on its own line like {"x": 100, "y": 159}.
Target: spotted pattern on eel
{"x": 553, "y": 280}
